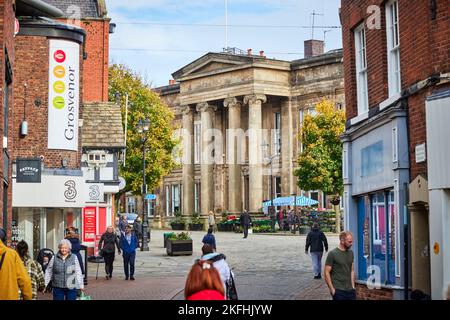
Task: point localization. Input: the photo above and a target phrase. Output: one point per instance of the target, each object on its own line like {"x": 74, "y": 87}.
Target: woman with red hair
{"x": 204, "y": 283}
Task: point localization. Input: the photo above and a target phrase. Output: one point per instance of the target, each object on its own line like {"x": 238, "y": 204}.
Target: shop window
{"x": 372, "y": 159}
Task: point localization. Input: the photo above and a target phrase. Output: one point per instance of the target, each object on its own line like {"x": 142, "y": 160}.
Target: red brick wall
{"x": 7, "y": 16}
{"x": 31, "y": 67}
{"x": 96, "y": 65}
{"x": 364, "y": 293}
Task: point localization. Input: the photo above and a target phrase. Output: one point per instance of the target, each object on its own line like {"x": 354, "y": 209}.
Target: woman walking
{"x": 65, "y": 273}
{"x": 34, "y": 270}
{"x": 107, "y": 248}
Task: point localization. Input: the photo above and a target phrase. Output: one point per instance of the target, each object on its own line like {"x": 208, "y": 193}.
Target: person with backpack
{"x": 34, "y": 269}
{"x": 316, "y": 241}
{"x": 13, "y": 275}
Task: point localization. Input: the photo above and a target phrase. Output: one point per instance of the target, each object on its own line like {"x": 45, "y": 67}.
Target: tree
{"x": 143, "y": 103}
{"x": 320, "y": 163}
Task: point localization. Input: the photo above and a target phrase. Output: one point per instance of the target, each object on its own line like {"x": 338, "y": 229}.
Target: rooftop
{"x": 80, "y": 8}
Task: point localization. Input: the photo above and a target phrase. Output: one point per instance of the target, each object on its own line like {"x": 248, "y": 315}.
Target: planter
{"x": 224, "y": 227}
{"x": 166, "y": 236}
{"x": 178, "y": 226}
{"x": 179, "y": 247}
{"x": 196, "y": 226}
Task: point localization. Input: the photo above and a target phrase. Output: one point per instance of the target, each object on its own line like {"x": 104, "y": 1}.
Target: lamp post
{"x": 143, "y": 127}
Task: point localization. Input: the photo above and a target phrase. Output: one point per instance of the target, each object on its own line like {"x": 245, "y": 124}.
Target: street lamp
{"x": 143, "y": 127}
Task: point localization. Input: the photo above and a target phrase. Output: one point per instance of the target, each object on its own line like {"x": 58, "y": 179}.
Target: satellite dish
{"x": 122, "y": 183}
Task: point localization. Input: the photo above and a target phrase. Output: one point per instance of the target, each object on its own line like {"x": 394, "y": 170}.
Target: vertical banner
{"x": 89, "y": 224}
{"x": 63, "y": 95}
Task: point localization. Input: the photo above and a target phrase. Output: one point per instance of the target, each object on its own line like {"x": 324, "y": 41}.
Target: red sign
{"x": 60, "y": 56}
{"x": 89, "y": 224}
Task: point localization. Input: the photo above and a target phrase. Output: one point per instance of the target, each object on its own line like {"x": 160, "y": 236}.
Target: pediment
{"x": 211, "y": 63}
{"x": 418, "y": 190}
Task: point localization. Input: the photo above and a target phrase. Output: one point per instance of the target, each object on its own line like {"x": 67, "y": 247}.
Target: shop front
{"x": 376, "y": 177}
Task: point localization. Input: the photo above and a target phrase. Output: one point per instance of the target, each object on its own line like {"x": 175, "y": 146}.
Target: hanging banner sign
{"x": 63, "y": 95}
{"x": 89, "y": 224}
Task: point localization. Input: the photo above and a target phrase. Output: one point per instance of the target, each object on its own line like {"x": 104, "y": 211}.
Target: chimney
{"x": 313, "y": 48}
{"x": 261, "y": 53}
{"x": 249, "y": 52}
{"x": 171, "y": 82}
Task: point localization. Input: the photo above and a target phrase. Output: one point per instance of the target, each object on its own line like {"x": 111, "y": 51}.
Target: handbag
{"x": 231, "y": 288}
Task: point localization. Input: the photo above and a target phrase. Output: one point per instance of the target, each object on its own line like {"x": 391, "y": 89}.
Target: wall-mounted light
{"x": 112, "y": 28}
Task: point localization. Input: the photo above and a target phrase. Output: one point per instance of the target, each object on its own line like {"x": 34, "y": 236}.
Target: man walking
{"x": 339, "y": 269}
{"x": 13, "y": 275}
{"x": 245, "y": 221}
{"x": 315, "y": 243}
{"x": 128, "y": 244}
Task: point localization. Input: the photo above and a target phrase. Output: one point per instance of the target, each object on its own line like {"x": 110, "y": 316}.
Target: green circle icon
{"x": 59, "y": 87}
{"x": 59, "y": 103}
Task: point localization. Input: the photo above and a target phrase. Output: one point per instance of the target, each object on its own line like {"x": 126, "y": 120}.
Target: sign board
{"x": 94, "y": 192}
{"x": 63, "y": 95}
{"x": 89, "y": 224}
{"x": 150, "y": 197}
{"x": 421, "y": 155}
{"x": 28, "y": 170}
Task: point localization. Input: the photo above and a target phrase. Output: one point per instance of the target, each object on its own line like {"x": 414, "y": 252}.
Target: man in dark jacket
{"x": 316, "y": 240}
{"x": 137, "y": 228}
{"x": 128, "y": 244}
{"x": 245, "y": 221}
{"x": 107, "y": 248}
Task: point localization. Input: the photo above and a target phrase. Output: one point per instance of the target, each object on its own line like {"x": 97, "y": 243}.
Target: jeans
{"x": 340, "y": 295}
{"x": 128, "y": 263}
{"x": 64, "y": 294}
{"x": 109, "y": 261}
{"x": 316, "y": 258}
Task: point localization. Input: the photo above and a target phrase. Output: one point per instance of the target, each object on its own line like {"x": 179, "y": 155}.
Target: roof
{"x": 85, "y": 8}
{"x": 102, "y": 126}
{"x": 34, "y": 8}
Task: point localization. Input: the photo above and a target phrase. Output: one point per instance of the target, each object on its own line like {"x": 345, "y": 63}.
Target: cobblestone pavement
{"x": 266, "y": 267}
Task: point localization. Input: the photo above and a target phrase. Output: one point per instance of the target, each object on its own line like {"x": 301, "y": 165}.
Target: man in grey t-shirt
{"x": 339, "y": 269}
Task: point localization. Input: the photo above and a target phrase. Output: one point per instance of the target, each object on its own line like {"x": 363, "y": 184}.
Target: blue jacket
{"x": 210, "y": 239}
{"x": 128, "y": 248}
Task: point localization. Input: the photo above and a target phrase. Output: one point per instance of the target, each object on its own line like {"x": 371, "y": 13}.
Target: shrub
{"x": 180, "y": 236}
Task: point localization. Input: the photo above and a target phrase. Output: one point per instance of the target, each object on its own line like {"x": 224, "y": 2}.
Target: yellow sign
{"x": 436, "y": 248}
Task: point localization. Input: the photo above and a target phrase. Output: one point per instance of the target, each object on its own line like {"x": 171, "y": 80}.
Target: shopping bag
{"x": 83, "y": 296}
{"x": 250, "y": 230}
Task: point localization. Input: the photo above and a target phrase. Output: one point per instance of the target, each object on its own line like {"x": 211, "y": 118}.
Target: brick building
{"x": 396, "y": 64}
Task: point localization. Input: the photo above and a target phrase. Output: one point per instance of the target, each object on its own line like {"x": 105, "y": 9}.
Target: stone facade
{"x": 253, "y": 107}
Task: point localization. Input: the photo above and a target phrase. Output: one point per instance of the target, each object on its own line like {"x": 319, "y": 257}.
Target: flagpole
{"x": 226, "y": 24}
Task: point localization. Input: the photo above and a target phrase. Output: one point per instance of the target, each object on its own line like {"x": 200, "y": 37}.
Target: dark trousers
{"x": 128, "y": 263}
{"x": 340, "y": 295}
{"x": 245, "y": 230}
{"x": 109, "y": 261}
{"x": 64, "y": 294}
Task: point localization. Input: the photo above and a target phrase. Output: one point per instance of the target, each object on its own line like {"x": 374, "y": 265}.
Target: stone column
{"x": 234, "y": 155}
{"x": 207, "y": 159}
{"x": 287, "y": 137}
{"x": 254, "y": 153}
{"x": 188, "y": 160}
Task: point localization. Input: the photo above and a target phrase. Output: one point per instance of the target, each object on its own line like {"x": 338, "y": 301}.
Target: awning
{"x": 300, "y": 201}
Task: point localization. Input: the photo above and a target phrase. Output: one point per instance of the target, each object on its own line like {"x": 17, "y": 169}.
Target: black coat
{"x": 245, "y": 219}
{"x": 317, "y": 240}
{"x": 108, "y": 242}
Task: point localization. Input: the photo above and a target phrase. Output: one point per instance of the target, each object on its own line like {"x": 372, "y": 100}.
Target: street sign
{"x": 150, "y": 197}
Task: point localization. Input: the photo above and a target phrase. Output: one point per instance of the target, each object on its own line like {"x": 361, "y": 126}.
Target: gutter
{"x": 37, "y": 8}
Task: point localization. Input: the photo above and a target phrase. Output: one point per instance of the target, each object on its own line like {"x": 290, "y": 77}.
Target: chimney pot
{"x": 261, "y": 53}
{"x": 250, "y": 52}
{"x": 171, "y": 82}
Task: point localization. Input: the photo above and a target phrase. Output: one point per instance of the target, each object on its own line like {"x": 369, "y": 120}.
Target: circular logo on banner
{"x": 122, "y": 183}
{"x": 60, "y": 56}
{"x": 437, "y": 249}
{"x": 71, "y": 192}
{"x": 59, "y": 72}
{"x": 59, "y": 103}
{"x": 59, "y": 87}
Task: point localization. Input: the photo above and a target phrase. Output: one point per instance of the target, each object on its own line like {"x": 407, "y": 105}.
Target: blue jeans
{"x": 344, "y": 295}
{"x": 128, "y": 263}
{"x": 316, "y": 258}
{"x": 64, "y": 294}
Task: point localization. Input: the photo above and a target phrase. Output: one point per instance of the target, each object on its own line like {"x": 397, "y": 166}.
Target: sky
{"x": 158, "y": 37}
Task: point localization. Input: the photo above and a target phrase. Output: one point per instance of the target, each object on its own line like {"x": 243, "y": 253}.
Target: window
{"x": 277, "y": 133}
{"x": 393, "y": 47}
{"x": 377, "y": 216}
{"x": 176, "y": 198}
{"x": 277, "y": 188}
{"x": 197, "y": 142}
{"x": 301, "y": 118}
{"x": 314, "y": 195}
{"x": 168, "y": 213}
{"x": 361, "y": 70}
{"x": 96, "y": 159}
{"x": 394, "y": 145}
{"x": 372, "y": 159}
{"x": 131, "y": 205}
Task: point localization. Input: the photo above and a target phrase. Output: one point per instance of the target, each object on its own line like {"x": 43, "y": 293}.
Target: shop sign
{"x": 94, "y": 192}
{"x": 28, "y": 171}
{"x": 89, "y": 224}
{"x": 63, "y": 95}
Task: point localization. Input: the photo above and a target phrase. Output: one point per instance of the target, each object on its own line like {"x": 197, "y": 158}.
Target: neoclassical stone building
{"x": 234, "y": 112}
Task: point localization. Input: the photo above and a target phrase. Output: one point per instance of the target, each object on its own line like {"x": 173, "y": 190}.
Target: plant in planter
{"x": 196, "y": 224}
{"x": 179, "y": 223}
{"x": 179, "y": 244}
